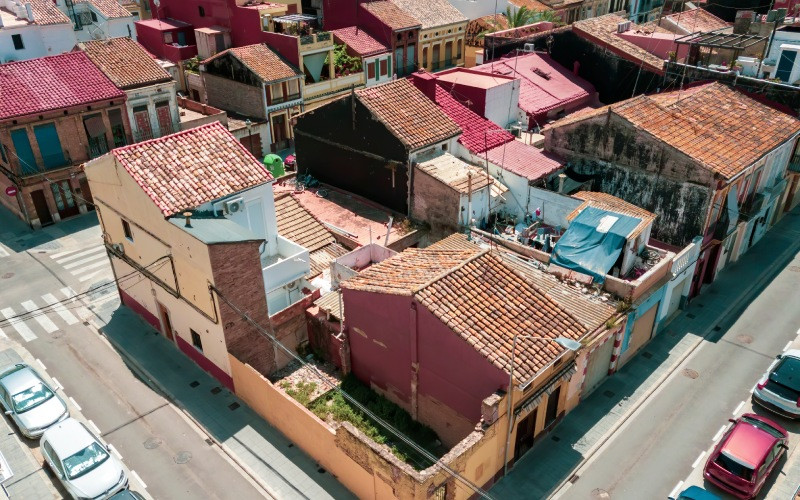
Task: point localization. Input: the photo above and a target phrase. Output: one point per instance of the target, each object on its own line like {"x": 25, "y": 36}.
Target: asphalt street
{"x": 172, "y": 456}
{"x": 659, "y": 446}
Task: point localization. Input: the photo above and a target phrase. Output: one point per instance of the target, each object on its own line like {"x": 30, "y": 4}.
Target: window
{"x": 49, "y": 145}
{"x": 23, "y": 151}
{"x": 294, "y": 88}
{"x": 201, "y": 11}
{"x": 17, "y": 39}
{"x": 94, "y": 16}
{"x": 164, "y": 117}
{"x": 117, "y": 128}
{"x": 444, "y": 147}
{"x": 126, "y": 228}
{"x": 167, "y": 37}
{"x": 197, "y": 342}
{"x": 458, "y": 49}
{"x": 276, "y": 93}
{"x": 371, "y": 71}
{"x": 3, "y": 153}
{"x": 385, "y": 68}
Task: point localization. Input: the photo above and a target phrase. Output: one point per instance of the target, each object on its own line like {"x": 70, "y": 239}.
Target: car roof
{"x": 748, "y": 443}
{"x": 20, "y": 379}
{"x": 698, "y": 493}
{"x": 68, "y": 437}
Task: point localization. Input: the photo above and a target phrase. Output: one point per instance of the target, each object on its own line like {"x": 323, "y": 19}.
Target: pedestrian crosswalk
{"x": 48, "y": 314}
{"x": 85, "y": 264}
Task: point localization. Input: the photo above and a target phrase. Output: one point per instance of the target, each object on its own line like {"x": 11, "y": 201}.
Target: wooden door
{"x": 42, "y": 210}
{"x": 525, "y": 433}
{"x": 166, "y": 324}
{"x": 65, "y": 201}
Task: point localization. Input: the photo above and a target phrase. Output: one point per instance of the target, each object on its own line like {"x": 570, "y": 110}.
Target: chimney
{"x": 744, "y": 18}
{"x": 188, "y": 216}
{"x": 576, "y": 67}
{"x": 561, "y": 178}
{"x": 425, "y": 82}
{"x": 29, "y": 11}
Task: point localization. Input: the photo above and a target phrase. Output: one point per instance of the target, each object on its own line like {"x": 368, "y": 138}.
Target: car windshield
{"x": 85, "y": 460}
{"x": 31, "y": 397}
{"x": 763, "y": 426}
{"x": 734, "y": 466}
{"x": 787, "y": 374}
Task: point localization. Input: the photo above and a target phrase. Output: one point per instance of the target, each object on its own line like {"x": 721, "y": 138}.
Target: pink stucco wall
{"x": 658, "y": 44}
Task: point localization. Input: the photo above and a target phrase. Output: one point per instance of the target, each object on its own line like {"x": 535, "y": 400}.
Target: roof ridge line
{"x": 444, "y": 273}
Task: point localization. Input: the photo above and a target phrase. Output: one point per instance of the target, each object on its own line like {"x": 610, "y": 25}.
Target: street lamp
{"x": 569, "y": 344}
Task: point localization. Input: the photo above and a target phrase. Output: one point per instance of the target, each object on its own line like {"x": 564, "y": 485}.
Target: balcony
{"x": 315, "y": 41}
{"x": 751, "y": 207}
{"x": 289, "y": 263}
{"x": 98, "y": 146}
{"x": 140, "y": 135}
{"x": 332, "y": 86}
{"x": 178, "y": 53}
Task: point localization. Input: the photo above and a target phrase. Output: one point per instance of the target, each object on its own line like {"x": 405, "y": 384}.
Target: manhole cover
{"x": 599, "y": 493}
{"x": 153, "y": 443}
{"x": 8, "y": 275}
{"x": 795, "y": 269}
{"x": 688, "y": 372}
{"x": 744, "y": 339}
{"x": 183, "y": 457}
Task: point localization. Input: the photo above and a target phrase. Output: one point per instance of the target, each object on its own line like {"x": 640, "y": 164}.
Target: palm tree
{"x": 519, "y": 17}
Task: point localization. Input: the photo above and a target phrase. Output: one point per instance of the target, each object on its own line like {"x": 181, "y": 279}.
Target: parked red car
{"x": 746, "y": 455}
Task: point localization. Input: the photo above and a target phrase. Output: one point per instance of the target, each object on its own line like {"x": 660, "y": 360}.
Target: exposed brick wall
{"x": 234, "y": 96}
{"x": 236, "y": 270}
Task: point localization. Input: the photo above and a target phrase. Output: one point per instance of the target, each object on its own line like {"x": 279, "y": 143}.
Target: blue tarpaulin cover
{"x": 593, "y": 242}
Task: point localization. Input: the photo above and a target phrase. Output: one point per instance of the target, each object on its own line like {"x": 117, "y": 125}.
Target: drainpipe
{"x": 388, "y": 230}
{"x": 469, "y": 198}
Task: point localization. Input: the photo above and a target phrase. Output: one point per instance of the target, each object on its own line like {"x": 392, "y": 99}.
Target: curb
{"x": 174, "y": 402}
{"x": 562, "y": 486}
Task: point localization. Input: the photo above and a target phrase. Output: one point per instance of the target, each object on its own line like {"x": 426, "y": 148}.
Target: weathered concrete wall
{"x": 638, "y": 168}
{"x": 434, "y": 202}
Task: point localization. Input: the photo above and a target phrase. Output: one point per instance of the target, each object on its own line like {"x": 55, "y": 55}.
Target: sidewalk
{"x": 271, "y": 459}
{"x": 556, "y": 456}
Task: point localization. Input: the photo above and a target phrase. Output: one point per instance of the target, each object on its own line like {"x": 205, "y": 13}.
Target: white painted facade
{"x": 785, "y": 45}
{"x": 502, "y": 104}
{"x": 17, "y": 22}
{"x": 478, "y": 8}
{"x": 376, "y": 60}
{"x": 149, "y": 97}
{"x": 284, "y": 263}
{"x": 95, "y": 26}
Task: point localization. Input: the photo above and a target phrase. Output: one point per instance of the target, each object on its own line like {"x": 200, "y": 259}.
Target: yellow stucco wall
{"x": 440, "y": 36}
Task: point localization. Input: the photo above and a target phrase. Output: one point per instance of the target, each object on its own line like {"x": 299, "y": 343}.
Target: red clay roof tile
{"x": 125, "y": 62}
{"x": 262, "y": 60}
{"x": 359, "y": 41}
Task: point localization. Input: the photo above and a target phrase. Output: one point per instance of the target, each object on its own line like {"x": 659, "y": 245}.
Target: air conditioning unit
{"x": 529, "y": 47}
{"x": 118, "y": 248}
{"x": 623, "y": 26}
{"x": 233, "y": 206}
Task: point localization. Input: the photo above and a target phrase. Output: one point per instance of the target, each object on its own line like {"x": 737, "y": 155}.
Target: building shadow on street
{"x": 19, "y": 237}
{"x": 556, "y": 455}
{"x": 225, "y": 417}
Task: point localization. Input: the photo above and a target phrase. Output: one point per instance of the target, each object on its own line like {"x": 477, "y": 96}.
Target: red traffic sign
{"x": 11, "y": 190}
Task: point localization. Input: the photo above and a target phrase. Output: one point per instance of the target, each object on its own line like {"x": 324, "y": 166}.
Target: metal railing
{"x": 322, "y": 36}
{"x": 98, "y": 146}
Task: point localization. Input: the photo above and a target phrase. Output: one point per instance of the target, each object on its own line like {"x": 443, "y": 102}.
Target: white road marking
{"x": 81, "y": 254}
{"x": 788, "y": 345}
{"x": 59, "y": 308}
{"x": 82, "y": 270}
{"x": 3, "y": 334}
{"x": 80, "y": 262}
{"x": 41, "y": 364}
{"x": 676, "y": 490}
{"x": 61, "y": 254}
{"x": 738, "y": 407}
{"x": 115, "y": 452}
{"x": 719, "y": 433}
{"x": 3, "y": 252}
{"x": 89, "y": 276}
{"x": 798, "y": 331}
{"x": 136, "y": 476}
{"x": 57, "y": 384}
{"x": 75, "y": 403}
{"x": 19, "y": 325}
{"x": 91, "y": 424}
{"x": 699, "y": 459}
{"x": 40, "y": 316}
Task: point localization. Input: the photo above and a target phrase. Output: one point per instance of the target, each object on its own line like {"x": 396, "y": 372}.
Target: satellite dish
{"x": 157, "y": 3}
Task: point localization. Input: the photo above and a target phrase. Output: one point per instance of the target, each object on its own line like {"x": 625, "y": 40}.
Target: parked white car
{"x": 778, "y": 390}
{"x": 82, "y": 462}
{"x": 29, "y": 401}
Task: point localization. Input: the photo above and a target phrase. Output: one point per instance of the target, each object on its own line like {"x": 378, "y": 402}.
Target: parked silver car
{"x": 29, "y": 401}
{"x": 779, "y": 388}
{"x": 82, "y": 463}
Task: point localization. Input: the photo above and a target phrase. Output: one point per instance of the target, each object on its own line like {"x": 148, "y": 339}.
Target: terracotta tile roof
{"x": 52, "y": 82}
{"x": 524, "y": 160}
{"x": 532, "y": 5}
{"x": 603, "y": 31}
{"x": 486, "y": 303}
{"x": 184, "y": 170}
{"x": 359, "y": 41}
{"x": 321, "y": 259}
{"x": 330, "y": 303}
{"x": 722, "y": 129}
{"x": 261, "y": 60}
{"x": 545, "y": 84}
{"x": 611, "y": 203}
{"x": 478, "y": 133}
{"x": 411, "y": 116}
{"x": 45, "y": 12}
{"x": 489, "y": 24}
{"x": 109, "y": 9}
{"x": 125, "y": 62}
{"x": 456, "y": 241}
{"x": 592, "y": 312}
{"x": 391, "y": 15}
{"x": 406, "y": 272}
{"x": 455, "y": 173}
{"x": 694, "y": 20}
{"x": 431, "y": 13}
